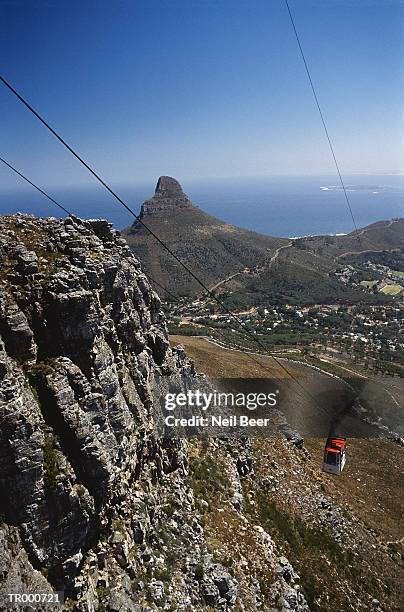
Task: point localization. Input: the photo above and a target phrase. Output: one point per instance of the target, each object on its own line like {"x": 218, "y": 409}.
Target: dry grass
{"x": 223, "y": 363}
{"x": 330, "y": 570}
{"x": 371, "y": 485}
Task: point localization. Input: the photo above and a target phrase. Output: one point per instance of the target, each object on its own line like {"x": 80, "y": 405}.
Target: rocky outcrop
{"x": 16, "y": 572}
{"x": 168, "y": 196}
{"x": 92, "y": 502}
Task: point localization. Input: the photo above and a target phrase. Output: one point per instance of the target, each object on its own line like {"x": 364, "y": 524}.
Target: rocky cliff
{"x": 92, "y": 502}
{"x": 168, "y": 196}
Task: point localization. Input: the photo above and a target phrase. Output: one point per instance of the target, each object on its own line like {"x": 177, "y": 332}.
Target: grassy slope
{"x": 292, "y": 279}
{"x": 211, "y": 248}
{"x": 301, "y": 274}
{"x": 377, "y": 236}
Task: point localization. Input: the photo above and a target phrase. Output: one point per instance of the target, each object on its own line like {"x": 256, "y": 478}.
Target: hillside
{"x": 344, "y": 534}
{"x": 212, "y": 248}
{"x": 92, "y": 502}
{"x": 305, "y": 270}
{"x": 246, "y": 267}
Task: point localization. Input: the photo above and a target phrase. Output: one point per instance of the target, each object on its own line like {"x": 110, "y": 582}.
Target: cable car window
{"x": 331, "y": 458}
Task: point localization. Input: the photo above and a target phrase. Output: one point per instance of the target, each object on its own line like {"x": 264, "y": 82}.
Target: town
{"x": 370, "y": 336}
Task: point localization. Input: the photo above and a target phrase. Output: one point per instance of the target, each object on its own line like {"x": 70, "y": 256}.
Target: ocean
{"x": 278, "y": 206}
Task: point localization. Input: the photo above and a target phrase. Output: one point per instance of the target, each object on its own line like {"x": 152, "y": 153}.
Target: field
{"x": 221, "y": 363}
{"x": 391, "y": 289}
{"x": 369, "y": 283}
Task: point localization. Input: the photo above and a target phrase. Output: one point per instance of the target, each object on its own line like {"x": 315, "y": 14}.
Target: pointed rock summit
{"x": 168, "y": 196}
{"x": 168, "y": 186}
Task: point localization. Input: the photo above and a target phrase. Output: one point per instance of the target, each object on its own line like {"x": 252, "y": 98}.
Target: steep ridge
{"x": 92, "y": 502}
{"x": 212, "y": 248}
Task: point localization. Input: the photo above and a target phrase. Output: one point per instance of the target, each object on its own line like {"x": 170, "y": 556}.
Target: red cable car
{"x": 334, "y": 455}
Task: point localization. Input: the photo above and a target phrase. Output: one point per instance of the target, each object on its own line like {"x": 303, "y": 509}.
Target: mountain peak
{"x": 168, "y": 196}
{"x": 168, "y": 186}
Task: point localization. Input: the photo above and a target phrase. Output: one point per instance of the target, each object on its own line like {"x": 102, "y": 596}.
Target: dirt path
{"x": 267, "y": 265}
{"x": 367, "y": 251}
{"x": 369, "y": 229}
{"x": 256, "y": 269}
{"x": 225, "y": 280}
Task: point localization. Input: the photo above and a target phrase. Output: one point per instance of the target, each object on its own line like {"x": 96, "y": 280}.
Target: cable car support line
{"x": 322, "y": 117}
{"x": 35, "y": 186}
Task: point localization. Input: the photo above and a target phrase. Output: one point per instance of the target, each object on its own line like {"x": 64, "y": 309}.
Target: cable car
{"x": 334, "y": 455}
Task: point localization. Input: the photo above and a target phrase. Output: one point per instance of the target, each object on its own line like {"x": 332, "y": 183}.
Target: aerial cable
{"x": 250, "y": 355}
{"x": 152, "y": 233}
{"x": 321, "y": 116}
{"x": 35, "y": 186}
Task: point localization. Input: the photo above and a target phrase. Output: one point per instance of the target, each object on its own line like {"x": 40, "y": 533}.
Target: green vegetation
{"x": 297, "y": 533}
{"x": 118, "y": 525}
{"x": 199, "y": 572}
{"x": 296, "y": 283}
{"x": 163, "y": 574}
{"x": 43, "y": 368}
{"x": 102, "y": 594}
{"x": 266, "y": 270}
{"x": 391, "y": 259}
{"x": 36, "y": 239}
{"x": 186, "y": 330}
{"x": 207, "y": 479}
{"x": 314, "y": 552}
{"x": 368, "y": 283}
{"x": 362, "y": 333}
{"x": 50, "y": 461}
{"x": 30, "y": 387}
{"x": 212, "y": 248}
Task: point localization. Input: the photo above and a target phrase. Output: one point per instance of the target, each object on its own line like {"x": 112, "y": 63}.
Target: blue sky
{"x": 200, "y": 88}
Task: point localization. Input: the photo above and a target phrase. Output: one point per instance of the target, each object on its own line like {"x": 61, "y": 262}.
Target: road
{"x": 225, "y": 280}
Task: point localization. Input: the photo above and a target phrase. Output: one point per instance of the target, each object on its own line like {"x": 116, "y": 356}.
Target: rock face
{"x": 91, "y": 501}
{"x": 167, "y": 196}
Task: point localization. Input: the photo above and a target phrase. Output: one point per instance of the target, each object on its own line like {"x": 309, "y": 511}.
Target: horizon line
{"x": 194, "y": 179}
